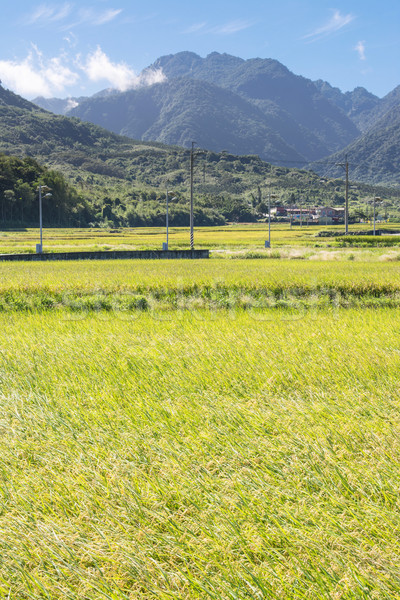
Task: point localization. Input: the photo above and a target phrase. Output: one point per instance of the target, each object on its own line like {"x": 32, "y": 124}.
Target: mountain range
{"x": 225, "y": 103}
{"x": 104, "y": 179}
{"x": 254, "y": 106}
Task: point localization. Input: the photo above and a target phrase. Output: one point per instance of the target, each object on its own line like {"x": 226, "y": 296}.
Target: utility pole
{"x": 191, "y": 196}
{"x": 376, "y": 198}
{"x": 166, "y": 222}
{"x": 268, "y": 243}
{"x": 345, "y": 166}
{"x": 40, "y": 249}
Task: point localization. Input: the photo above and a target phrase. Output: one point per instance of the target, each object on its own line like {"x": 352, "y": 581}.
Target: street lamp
{"x": 268, "y": 243}
{"x": 165, "y": 244}
{"x": 376, "y": 198}
{"x": 345, "y": 166}
{"x": 40, "y": 189}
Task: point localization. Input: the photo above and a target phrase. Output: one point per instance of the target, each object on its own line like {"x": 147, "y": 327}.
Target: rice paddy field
{"x": 212, "y": 429}
{"x": 221, "y": 240}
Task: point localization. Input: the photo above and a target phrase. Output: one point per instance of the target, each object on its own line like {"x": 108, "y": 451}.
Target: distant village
{"x": 314, "y": 215}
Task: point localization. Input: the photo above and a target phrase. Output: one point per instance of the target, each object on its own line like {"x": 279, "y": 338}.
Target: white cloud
{"x": 89, "y": 16}
{"x": 71, "y": 104}
{"x": 38, "y": 76}
{"x": 337, "y": 22}
{"x": 99, "y": 67}
{"x": 150, "y": 77}
{"x": 34, "y": 76}
{"x": 231, "y": 27}
{"x": 360, "y": 48}
{"x": 226, "y": 29}
{"x": 47, "y": 15}
{"x": 71, "y": 39}
{"x": 195, "y": 28}
{"x": 106, "y": 16}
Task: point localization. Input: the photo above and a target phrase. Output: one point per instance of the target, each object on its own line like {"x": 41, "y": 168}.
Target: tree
{"x": 9, "y": 196}
{"x": 26, "y": 197}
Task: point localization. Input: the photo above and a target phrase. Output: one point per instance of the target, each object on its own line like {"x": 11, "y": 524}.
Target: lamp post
{"x": 268, "y": 243}
{"x": 165, "y": 244}
{"x": 379, "y": 200}
{"x": 345, "y": 166}
{"x": 41, "y": 188}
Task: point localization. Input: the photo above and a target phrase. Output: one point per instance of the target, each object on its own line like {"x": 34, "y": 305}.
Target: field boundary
{"x": 109, "y": 255}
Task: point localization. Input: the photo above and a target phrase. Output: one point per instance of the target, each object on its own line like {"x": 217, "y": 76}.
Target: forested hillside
{"x": 362, "y": 107}
{"x": 102, "y": 179}
{"x": 182, "y": 110}
{"x": 226, "y": 103}
{"x": 375, "y": 157}
{"x": 19, "y": 181}
{"x": 304, "y": 117}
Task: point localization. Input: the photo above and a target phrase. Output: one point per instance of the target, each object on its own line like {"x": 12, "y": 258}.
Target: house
{"x": 279, "y": 211}
{"x": 330, "y": 216}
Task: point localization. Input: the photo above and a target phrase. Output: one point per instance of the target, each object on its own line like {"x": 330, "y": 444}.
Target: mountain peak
{"x": 180, "y": 63}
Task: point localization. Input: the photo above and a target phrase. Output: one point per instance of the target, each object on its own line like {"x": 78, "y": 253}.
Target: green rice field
{"x": 211, "y": 429}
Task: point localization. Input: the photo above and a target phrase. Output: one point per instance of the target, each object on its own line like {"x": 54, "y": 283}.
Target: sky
{"x": 71, "y": 49}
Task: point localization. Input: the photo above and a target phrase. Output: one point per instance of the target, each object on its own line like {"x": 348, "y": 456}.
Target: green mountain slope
{"x": 359, "y": 105}
{"x": 182, "y": 110}
{"x": 8, "y": 98}
{"x": 375, "y": 156}
{"x": 362, "y": 107}
{"x": 104, "y": 179}
{"x": 274, "y": 89}
{"x": 243, "y": 106}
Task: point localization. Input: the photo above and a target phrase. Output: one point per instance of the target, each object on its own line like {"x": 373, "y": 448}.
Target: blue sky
{"x": 72, "y": 48}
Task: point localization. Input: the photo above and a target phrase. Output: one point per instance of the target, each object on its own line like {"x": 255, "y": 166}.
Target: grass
{"x": 200, "y": 456}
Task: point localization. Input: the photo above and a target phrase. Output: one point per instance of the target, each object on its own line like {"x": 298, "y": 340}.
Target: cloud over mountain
{"x": 36, "y": 75}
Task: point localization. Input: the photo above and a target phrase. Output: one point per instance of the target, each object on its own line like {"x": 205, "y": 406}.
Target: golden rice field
{"x": 188, "y": 457}
{"x": 241, "y": 235}
{"x": 228, "y": 238}
{"x": 203, "y": 284}
{"x": 192, "y": 430}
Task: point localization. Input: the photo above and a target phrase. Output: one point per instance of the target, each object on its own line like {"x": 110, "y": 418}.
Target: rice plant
{"x": 224, "y": 454}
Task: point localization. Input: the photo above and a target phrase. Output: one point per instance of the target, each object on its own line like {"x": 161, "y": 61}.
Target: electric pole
{"x": 345, "y": 166}
{"x": 191, "y": 196}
